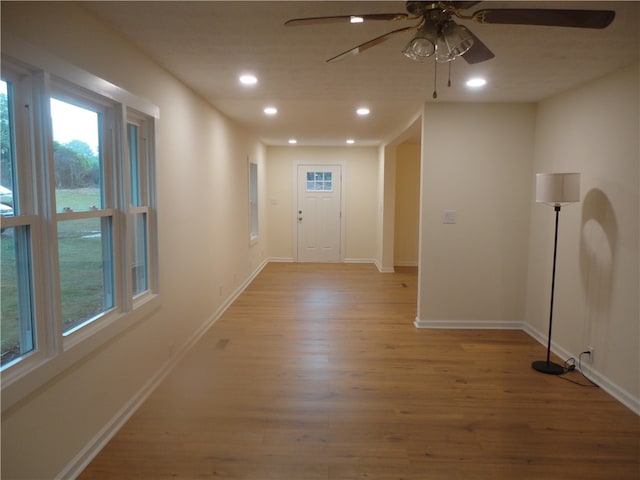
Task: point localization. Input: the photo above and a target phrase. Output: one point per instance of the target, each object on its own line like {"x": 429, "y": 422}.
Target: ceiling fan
{"x": 438, "y": 34}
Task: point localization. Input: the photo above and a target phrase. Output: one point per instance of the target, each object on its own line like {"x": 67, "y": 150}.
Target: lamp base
{"x": 548, "y": 367}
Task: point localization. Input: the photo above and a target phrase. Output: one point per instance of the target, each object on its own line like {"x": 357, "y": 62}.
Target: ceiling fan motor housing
{"x": 421, "y": 8}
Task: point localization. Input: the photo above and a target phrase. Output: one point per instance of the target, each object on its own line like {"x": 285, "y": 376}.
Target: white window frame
{"x": 67, "y": 92}
{"x": 146, "y": 152}
{"x": 23, "y": 85}
{"x": 41, "y": 76}
{"x": 254, "y": 210}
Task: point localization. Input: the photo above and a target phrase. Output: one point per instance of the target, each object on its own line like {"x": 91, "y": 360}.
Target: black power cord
{"x": 570, "y": 366}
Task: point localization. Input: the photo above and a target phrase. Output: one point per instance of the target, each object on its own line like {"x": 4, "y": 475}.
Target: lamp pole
{"x": 548, "y": 366}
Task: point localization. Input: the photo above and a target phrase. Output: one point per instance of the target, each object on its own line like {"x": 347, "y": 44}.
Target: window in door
{"x": 319, "y": 181}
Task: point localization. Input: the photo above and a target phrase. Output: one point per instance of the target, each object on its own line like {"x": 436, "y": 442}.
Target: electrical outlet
{"x": 591, "y": 351}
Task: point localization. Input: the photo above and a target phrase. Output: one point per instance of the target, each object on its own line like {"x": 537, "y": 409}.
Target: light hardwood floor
{"x": 317, "y": 372}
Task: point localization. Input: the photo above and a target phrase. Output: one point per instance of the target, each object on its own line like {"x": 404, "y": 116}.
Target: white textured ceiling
{"x": 208, "y": 44}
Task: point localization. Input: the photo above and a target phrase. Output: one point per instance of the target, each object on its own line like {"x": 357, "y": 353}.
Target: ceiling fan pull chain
{"x": 449, "y": 81}
{"x": 435, "y": 79}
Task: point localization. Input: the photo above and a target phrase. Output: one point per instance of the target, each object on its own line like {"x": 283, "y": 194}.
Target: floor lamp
{"x": 555, "y": 189}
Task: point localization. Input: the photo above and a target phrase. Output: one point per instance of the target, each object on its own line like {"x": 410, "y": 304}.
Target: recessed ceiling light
{"x": 293, "y": 141}
{"x": 356, "y": 19}
{"x": 248, "y": 79}
{"x": 362, "y": 111}
{"x": 270, "y": 110}
{"x": 351, "y": 141}
{"x": 476, "y": 82}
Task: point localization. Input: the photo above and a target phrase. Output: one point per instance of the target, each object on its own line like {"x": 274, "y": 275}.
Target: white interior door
{"x": 318, "y": 213}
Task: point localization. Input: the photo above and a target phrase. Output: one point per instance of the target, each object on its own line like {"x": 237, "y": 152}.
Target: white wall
{"x": 386, "y": 207}
{"x": 360, "y": 181}
{"x": 493, "y": 268}
{"x": 476, "y": 160}
{"x": 594, "y": 130}
{"x": 202, "y": 190}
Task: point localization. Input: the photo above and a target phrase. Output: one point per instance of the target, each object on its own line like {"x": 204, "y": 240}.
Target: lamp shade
{"x": 557, "y": 188}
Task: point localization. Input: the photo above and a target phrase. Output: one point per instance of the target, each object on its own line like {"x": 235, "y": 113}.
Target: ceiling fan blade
{"x": 345, "y": 19}
{"x": 478, "y": 52}
{"x": 371, "y": 43}
{"x": 546, "y": 17}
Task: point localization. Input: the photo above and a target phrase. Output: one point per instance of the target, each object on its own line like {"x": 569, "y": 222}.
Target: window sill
{"x": 19, "y": 382}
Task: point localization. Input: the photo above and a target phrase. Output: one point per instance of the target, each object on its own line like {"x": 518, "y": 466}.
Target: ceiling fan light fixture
{"x": 423, "y": 44}
{"x": 454, "y": 40}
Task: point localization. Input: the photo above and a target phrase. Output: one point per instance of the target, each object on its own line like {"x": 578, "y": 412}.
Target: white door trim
{"x": 294, "y": 203}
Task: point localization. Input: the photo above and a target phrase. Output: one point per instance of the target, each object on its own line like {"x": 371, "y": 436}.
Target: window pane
{"x": 253, "y": 198}
{"x": 140, "y": 270}
{"x": 76, "y": 156}
{"x": 132, "y": 134}
{"x": 319, "y": 181}
{"x": 86, "y": 269}
{"x": 17, "y": 324}
{"x": 7, "y": 158}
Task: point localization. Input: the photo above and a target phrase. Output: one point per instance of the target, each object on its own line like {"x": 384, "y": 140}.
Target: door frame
{"x": 294, "y": 203}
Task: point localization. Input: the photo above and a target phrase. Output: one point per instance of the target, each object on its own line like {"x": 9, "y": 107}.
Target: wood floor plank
{"x": 317, "y": 372}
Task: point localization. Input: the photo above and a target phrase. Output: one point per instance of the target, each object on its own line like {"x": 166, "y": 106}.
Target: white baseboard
{"x": 380, "y": 268}
{"x": 358, "y": 260}
{"x": 80, "y": 461}
{"x": 345, "y": 260}
{"x": 620, "y": 394}
{"x": 469, "y": 324}
{"x": 281, "y": 259}
{"x": 406, "y": 264}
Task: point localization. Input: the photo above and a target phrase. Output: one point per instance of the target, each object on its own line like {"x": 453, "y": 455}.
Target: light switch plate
{"x": 449, "y": 216}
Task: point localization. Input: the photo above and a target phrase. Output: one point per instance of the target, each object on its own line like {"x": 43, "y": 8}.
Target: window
{"x": 139, "y": 138}
{"x": 78, "y": 240}
{"x": 17, "y": 323}
{"x": 253, "y": 201}
{"x": 84, "y": 224}
{"x": 319, "y": 182}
